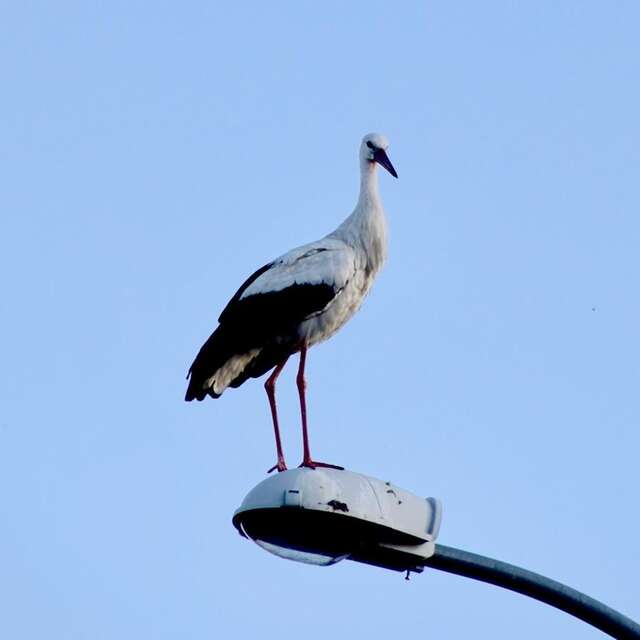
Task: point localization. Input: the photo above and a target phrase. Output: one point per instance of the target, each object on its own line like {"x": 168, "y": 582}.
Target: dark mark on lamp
{"x": 336, "y": 505}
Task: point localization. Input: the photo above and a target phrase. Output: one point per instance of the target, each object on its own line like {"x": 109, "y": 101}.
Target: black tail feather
{"x": 214, "y": 353}
{"x": 194, "y": 393}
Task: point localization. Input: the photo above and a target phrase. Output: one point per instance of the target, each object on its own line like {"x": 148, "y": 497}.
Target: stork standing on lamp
{"x": 296, "y": 301}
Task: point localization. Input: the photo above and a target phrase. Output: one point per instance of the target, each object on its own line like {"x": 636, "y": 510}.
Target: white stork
{"x": 296, "y": 301}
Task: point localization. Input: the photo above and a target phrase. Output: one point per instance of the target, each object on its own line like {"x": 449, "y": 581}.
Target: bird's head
{"x": 374, "y": 149}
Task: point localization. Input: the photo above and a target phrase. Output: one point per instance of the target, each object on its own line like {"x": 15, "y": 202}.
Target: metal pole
{"x": 508, "y": 576}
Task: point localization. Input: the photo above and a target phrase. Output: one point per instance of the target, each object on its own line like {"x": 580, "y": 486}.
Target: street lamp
{"x": 322, "y": 516}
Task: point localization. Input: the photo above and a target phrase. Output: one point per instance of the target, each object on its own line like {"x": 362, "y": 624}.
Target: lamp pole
{"x": 528, "y": 583}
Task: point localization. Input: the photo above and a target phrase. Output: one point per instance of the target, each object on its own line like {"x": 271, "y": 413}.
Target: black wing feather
{"x": 243, "y": 287}
{"x": 266, "y": 320}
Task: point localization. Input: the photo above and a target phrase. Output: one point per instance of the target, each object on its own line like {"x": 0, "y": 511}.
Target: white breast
{"x": 346, "y": 303}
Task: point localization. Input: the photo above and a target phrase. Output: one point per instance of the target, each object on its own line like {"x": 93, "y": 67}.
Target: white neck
{"x": 369, "y": 194}
{"x": 365, "y": 229}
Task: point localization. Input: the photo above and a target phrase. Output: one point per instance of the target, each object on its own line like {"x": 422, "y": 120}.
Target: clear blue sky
{"x": 155, "y": 154}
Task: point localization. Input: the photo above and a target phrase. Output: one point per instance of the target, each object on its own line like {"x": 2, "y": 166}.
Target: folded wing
{"x": 259, "y": 326}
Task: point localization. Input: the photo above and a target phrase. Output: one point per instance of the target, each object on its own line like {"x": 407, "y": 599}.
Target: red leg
{"x": 307, "y": 461}
{"x": 302, "y": 387}
{"x": 270, "y": 387}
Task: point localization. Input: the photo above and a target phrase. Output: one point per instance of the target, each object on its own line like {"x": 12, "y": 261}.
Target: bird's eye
{"x": 369, "y": 144}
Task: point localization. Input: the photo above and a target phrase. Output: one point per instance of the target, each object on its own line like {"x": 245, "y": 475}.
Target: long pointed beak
{"x": 381, "y": 157}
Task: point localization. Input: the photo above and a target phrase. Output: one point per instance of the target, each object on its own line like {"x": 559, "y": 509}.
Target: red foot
{"x": 280, "y": 466}
{"x": 312, "y": 464}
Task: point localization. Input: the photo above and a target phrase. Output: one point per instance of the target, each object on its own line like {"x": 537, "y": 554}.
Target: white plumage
{"x": 298, "y": 300}
{"x": 327, "y": 260}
